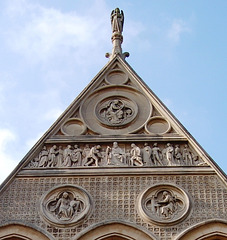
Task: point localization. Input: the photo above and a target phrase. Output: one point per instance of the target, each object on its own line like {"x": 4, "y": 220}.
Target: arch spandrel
{"x": 21, "y": 232}
{"x": 115, "y": 231}
{"x": 208, "y": 230}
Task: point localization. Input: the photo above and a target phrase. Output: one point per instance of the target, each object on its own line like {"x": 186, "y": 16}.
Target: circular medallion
{"x": 164, "y": 204}
{"x": 158, "y": 125}
{"x": 66, "y": 205}
{"x": 116, "y": 77}
{"x": 116, "y": 111}
{"x": 112, "y": 110}
{"x": 73, "y": 127}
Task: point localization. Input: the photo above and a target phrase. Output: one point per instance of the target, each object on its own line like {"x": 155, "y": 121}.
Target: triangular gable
{"x": 116, "y": 116}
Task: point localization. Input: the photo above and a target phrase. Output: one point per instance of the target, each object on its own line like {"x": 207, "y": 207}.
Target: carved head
{"x": 117, "y": 10}
{"x": 65, "y": 195}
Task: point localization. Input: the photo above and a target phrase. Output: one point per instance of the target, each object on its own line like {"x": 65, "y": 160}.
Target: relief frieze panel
{"x": 116, "y": 155}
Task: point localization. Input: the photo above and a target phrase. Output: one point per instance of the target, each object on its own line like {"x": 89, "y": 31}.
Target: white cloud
{"x": 42, "y": 33}
{"x": 7, "y": 163}
{"x": 178, "y": 27}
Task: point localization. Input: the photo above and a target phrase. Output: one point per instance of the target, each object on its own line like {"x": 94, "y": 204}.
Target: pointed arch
{"x": 21, "y": 232}
{"x": 115, "y": 230}
{"x": 207, "y": 230}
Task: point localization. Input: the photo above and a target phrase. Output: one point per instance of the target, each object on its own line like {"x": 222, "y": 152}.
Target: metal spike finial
{"x": 117, "y": 22}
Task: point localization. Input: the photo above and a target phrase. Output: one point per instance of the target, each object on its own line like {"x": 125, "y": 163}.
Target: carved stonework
{"x": 164, "y": 204}
{"x": 116, "y": 112}
{"x": 115, "y": 154}
{"x": 66, "y": 205}
{"x": 108, "y": 111}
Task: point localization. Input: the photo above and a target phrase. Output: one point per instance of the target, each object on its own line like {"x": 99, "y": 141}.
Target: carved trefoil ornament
{"x": 164, "y": 204}
{"x": 66, "y": 205}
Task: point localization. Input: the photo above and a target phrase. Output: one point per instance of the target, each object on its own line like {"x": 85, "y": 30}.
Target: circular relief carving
{"x": 116, "y": 77}
{"x": 158, "y": 125}
{"x": 116, "y": 111}
{"x": 164, "y": 204}
{"x": 112, "y": 110}
{"x": 66, "y": 205}
{"x": 73, "y": 127}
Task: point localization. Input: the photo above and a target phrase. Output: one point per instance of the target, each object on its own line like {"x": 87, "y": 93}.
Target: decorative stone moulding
{"x": 116, "y": 77}
{"x": 164, "y": 204}
{"x": 126, "y": 111}
{"x": 66, "y": 205}
{"x": 73, "y": 127}
{"x": 158, "y": 125}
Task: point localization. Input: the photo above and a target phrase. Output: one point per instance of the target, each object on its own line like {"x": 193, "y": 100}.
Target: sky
{"x": 51, "y": 49}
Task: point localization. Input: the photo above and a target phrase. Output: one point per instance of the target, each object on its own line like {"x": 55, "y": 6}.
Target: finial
{"x": 117, "y": 22}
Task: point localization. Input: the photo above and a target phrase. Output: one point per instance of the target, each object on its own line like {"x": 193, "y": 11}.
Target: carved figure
{"x": 187, "y": 155}
{"x": 136, "y": 158}
{"x": 117, "y": 20}
{"x": 115, "y": 155}
{"x": 169, "y": 154}
{"x": 65, "y": 207}
{"x": 53, "y": 156}
{"x": 166, "y": 206}
{"x": 93, "y": 156}
{"x": 76, "y": 155}
{"x": 178, "y": 155}
{"x": 156, "y": 155}
{"x": 60, "y": 158}
{"x": 116, "y": 112}
{"x": 43, "y": 157}
{"x": 67, "y": 154}
{"x": 85, "y": 153}
{"x": 147, "y": 154}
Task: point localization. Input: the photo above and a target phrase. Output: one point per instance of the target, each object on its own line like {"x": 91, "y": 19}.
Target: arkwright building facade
{"x": 116, "y": 165}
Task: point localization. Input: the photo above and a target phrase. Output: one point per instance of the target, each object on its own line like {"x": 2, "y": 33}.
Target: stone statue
{"x": 115, "y": 155}
{"x": 136, "y": 158}
{"x": 77, "y": 155}
{"x": 53, "y": 156}
{"x": 43, "y": 157}
{"x": 169, "y": 151}
{"x": 156, "y": 155}
{"x": 93, "y": 156}
{"x": 187, "y": 155}
{"x": 67, "y": 154}
{"x": 147, "y": 154}
{"x": 85, "y": 153}
{"x": 178, "y": 155}
{"x": 117, "y": 20}
{"x": 60, "y": 158}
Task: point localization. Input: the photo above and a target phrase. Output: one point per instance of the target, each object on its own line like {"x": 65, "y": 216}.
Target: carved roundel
{"x": 158, "y": 125}
{"x": 66, "y": 205}
{"x": 164, "y": 204}
{"x": 115, "y": 110}
{"x": 116, "y": 77}
{"x": 73, "y": 127}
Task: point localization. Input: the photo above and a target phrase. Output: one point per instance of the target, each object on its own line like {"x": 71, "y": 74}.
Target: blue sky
{"x": 50, "y": 50}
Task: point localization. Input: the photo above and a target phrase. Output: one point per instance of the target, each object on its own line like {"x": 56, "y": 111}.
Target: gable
{"x": 117, "y": 121}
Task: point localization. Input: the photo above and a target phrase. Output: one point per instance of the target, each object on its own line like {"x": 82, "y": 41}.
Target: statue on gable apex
{"x": 117, "y": 20}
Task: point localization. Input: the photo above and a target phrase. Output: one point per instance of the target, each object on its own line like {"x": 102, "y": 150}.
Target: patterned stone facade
{"x": 115, "y": 198}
